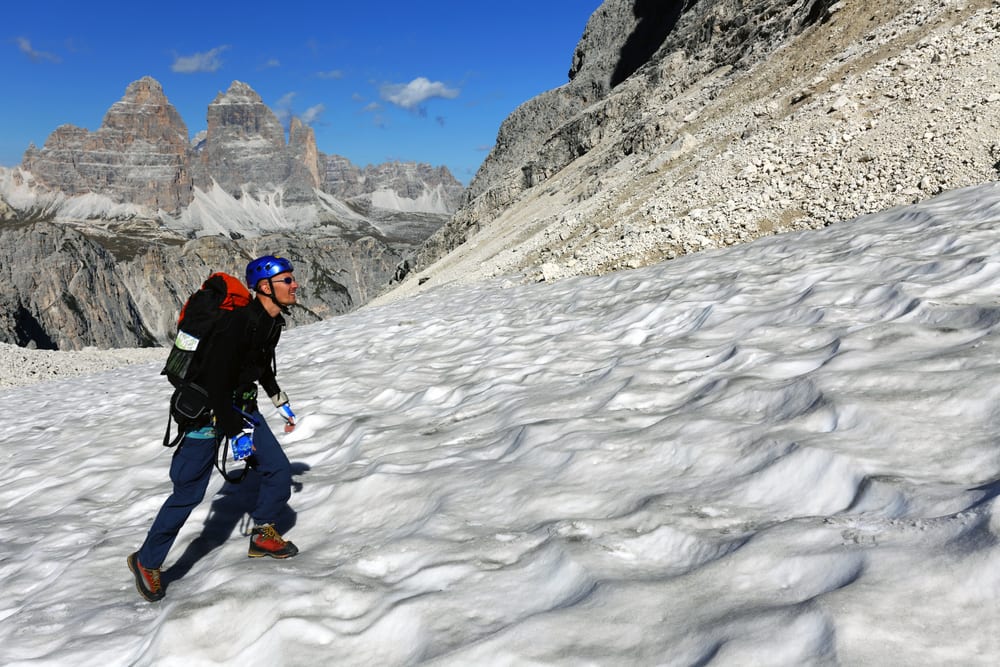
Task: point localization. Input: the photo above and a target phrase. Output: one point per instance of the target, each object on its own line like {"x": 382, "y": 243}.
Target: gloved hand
{"x": 280, "y": 401}
{"x": 288, "y": 415}
{"x": 241, "y": 444}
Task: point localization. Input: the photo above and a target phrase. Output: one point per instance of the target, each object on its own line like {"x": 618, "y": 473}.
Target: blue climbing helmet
{"x": 266, "y": 267}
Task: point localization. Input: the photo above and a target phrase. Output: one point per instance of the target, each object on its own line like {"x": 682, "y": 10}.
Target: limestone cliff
{"x": 244, "y": 143}
{"x": 77, "y": 300}
{"x": 139, "y": 154}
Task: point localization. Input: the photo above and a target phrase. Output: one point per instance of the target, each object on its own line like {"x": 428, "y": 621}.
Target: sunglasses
{"x": 288, "y": 280}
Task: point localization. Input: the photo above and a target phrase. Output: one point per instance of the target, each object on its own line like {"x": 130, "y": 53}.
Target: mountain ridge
{"x": 162, "y": 210}
{"x": 141, "y": 154}
{"x": 749, "y": 119}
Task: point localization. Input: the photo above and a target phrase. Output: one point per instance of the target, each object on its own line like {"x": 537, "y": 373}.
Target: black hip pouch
{"x": 189, "y": 405}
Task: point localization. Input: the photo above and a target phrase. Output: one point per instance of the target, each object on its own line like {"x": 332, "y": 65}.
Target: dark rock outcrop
{"x": 335, "y": 273}
{"x": 86, "y": 297}
{"x": 77, "y": 300}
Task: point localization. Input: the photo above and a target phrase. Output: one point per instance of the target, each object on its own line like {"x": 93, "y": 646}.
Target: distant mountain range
{"x": 683, "y": 127}
{"x": 153, "y": 212}
{"x": 141, "y": 164}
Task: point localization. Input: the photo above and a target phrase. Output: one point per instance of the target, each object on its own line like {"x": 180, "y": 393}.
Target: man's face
{"x": 285, "y": 288}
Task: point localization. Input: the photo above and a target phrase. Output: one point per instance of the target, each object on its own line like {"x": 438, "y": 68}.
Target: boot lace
{"x": 154, "y": 578}
{"x": 268, "y": 532}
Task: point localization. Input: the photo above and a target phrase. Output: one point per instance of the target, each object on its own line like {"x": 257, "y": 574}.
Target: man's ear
{"x": 262, "y": 284}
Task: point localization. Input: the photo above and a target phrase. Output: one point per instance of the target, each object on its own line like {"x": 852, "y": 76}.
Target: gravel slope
{"x": 21, "y": 366}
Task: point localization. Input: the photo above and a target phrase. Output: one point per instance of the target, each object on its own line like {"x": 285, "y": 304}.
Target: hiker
{"x": 238, "y": 354}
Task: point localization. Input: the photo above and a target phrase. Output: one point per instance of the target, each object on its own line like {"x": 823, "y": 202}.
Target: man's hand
{"x": 286, "y": 413}
{"x": 280, "y": 401}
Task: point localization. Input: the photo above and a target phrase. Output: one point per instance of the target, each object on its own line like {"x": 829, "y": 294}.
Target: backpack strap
{"x": 166, "y": 436}
{"x": 167, "y": 442}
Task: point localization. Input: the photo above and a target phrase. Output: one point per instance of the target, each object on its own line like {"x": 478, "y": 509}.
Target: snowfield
{"x": 781, "y": 453}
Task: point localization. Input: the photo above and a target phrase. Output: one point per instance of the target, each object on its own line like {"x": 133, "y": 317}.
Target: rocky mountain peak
{"x": 139, "y": 154}
{"x": 146, "y": 90}
{"x": 240, "y": 114}
{"x": 244, "y": 144}
{"x": 144, "y": 114}
{"x": 238, "y": 93}
{"x": 142, "y": 155}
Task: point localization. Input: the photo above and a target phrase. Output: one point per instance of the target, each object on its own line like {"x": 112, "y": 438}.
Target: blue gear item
{"x": 266, "y": 267}
{"x": 242, "y": 444}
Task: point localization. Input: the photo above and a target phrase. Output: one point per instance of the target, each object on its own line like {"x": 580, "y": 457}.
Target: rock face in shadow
{"x": 64, "y": 292}
{"x": 335, "y": 273}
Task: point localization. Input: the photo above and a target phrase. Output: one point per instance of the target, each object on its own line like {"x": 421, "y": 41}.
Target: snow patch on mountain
{"x": 431, "y": 200}
{"x": 215, "y": 211}
{"x": 212, "y": 212}
{"x": 18, "y": 189}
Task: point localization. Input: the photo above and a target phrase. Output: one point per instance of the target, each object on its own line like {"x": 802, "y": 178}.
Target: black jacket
{"x": 240, "y": 354}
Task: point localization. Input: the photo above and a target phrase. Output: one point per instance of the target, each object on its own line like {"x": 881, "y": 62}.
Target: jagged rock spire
{"x": 139, "y": 154}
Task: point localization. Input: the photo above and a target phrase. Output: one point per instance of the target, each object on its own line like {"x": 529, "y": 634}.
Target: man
{"x": 238, "y": 355}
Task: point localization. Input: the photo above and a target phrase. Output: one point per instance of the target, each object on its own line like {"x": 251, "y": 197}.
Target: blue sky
{"x": 423, "y": 82}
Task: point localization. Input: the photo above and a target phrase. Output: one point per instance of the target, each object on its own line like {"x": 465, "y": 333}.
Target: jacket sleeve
{"x": 268, "y": 381}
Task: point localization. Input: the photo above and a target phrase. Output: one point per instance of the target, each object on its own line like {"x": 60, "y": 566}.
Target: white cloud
{"x": 331, "y": 74}
{"x": 284, "y": 111}
{"x": 283, "y": 108}
{"x": 272, "y": 62}
{"x": 24, "y": 45}
{"x": 312, "y": 114}
{"x": 209, "y": 61}
{"x": 411, "y": 95}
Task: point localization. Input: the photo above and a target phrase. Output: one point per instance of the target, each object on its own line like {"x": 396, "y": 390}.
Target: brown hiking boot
{"x": 147, "y": 581}
{"x": 265, "y": 541}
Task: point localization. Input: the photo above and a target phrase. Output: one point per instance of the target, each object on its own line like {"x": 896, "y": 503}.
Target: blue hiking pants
{"x": 191, "y": 471}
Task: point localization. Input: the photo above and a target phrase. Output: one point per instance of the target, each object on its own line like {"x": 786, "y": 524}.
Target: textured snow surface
{"x": 783, "y": 453}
